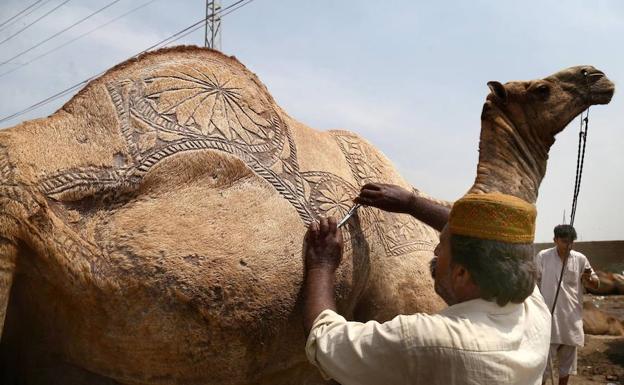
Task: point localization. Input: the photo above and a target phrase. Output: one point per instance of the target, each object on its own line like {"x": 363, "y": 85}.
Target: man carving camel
{"x": 495, "y": 330}
{"x": 142, "y": 226}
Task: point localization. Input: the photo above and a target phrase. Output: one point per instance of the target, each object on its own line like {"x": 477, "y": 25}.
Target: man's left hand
{"x": 323, "y": 245}
{"x": 590, "y": 280}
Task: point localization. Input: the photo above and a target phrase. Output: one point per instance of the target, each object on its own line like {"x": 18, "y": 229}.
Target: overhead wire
{"x": 232, "y": 10}
{"x": 61, "y": 31}
{"x": 175, "y": 36}
{"x": 21, "y": 65}
{"x": 34, "y": 22}
{"x": 20, "y": 12}
{"x": 15, "y": 20}
{"x": 200, "y": 25}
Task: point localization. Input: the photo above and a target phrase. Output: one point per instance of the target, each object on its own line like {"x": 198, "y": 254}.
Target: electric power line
{"x": 61, "y": 31}
{"x": 176, "y": 36}
{"x": 199, "y": 26}
{"x": 191, "y": 28}
{"x": 15, "y": 20}
{"x": 20, "y": 12}
{"x": 240, "y": 6}
{"x": 21, "y": 65}
{"x": 34, "y": 22}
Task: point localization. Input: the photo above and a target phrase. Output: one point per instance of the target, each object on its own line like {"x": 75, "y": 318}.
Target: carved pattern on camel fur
{"x": 154, "y": 132}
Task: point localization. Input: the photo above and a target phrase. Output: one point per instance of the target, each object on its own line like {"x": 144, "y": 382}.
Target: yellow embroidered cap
{"x": 494, "y": 216}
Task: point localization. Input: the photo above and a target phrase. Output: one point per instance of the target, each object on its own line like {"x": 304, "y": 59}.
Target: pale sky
{"x": 409, "y": 76}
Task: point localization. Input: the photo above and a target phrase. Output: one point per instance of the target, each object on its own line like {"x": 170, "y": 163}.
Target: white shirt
{"x": 473, "y": 342}
{"x": 567, "y": 321}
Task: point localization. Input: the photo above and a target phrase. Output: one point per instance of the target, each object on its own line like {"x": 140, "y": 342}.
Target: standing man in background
{"x": 567, "y": 319}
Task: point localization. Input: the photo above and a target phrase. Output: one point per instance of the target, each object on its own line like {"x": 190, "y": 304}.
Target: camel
{"x": 596, "y": 321}
{"x": 610, "y": 283}
{"x": 151, "y": 229}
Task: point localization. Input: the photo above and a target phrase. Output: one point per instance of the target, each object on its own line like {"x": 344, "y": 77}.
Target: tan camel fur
{"x": 610, "y": 283}
{"x": 151, "y": 229}
{"x": 597, "y": 321}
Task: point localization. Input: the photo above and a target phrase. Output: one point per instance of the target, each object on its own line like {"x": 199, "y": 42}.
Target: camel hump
{"x": 187, "y": 67}
{"x": 109, "y": 136}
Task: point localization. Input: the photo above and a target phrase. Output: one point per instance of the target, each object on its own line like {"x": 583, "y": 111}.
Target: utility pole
{"x": 212, "y": 31}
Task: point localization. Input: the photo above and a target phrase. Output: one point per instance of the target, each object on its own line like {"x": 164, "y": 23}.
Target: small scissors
{"x": 350, "y": 213}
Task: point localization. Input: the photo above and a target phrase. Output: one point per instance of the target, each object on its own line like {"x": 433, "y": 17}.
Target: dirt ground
{"x": 601, "y": 360}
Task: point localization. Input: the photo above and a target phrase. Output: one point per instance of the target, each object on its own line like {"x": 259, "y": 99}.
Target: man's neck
{"x": 561, "y": 255}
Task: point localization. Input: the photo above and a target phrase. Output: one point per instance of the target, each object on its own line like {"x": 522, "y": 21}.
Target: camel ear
{"x": 499, "y": 90}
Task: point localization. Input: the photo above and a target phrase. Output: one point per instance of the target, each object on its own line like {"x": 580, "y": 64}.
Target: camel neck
{"x": 512, "y": 158}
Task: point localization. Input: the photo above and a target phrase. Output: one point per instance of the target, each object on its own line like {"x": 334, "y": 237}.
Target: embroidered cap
{"x": 494, "y": 216}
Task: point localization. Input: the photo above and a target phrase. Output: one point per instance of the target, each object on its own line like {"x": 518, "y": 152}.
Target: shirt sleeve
{"x": 586, "y": 265}
{"x": 358, "y": 353}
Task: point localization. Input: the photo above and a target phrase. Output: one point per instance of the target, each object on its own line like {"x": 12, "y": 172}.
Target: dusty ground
{"x": 601, "y": 360}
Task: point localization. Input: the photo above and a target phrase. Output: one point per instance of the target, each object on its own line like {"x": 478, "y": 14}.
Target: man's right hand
{"x": 387, "y": 197}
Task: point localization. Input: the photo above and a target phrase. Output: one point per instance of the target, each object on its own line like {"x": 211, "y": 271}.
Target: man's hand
{"x": 387, "y": 197}
{"x": 322, "y": 250}
{"x": 588, "y": 280}
{"x": 396, "y": 199}
{"x": 322, "y": 246}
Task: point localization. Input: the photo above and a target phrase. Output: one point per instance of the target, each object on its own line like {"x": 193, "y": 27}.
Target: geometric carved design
{"x": 11, "y": 190}
{"x": 398, "y": 231}
{"x": 72, "y": 185}
{"x": 330, "y": 195}
{"x": 188, "y": 97}
{"x": 400, "y": 240}
{"x": 365, "y": 164}
{"x": 193, "y": 108}
{"x": 186, "y": 109}
{"x": 6, "y": 170}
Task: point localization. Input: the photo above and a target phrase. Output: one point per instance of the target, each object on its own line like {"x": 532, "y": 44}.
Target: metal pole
{"x": 212, "y": 30}
{"x": 206, "y": 26}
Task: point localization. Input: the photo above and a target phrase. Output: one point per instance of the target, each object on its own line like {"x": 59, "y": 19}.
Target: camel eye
{"x": 543, "y": 89}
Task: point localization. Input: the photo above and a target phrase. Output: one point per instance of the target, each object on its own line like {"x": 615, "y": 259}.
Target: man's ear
{"x": 498, "y": 90}
{"x": 460, "y": 274}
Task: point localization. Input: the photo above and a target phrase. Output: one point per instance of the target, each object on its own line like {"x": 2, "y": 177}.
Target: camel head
{"x": 520, "y": 120}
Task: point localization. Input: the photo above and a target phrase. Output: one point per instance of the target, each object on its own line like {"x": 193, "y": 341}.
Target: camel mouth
{"x": 602, "y": 96}
{"x": 602, "y": 90}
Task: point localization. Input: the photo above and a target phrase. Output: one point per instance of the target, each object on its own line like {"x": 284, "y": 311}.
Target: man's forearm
{"x": 429, "y": 212}
{"x": 318, "y": 295}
